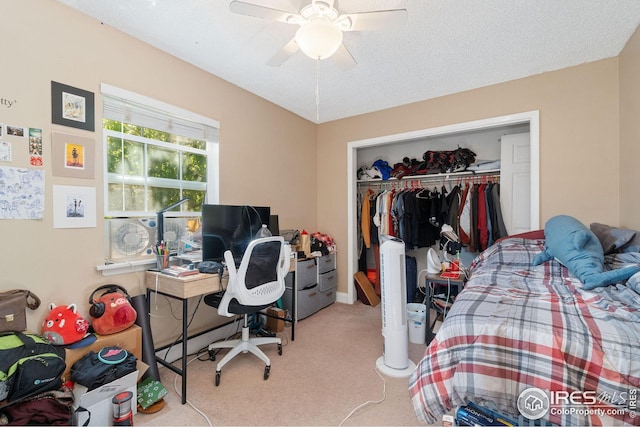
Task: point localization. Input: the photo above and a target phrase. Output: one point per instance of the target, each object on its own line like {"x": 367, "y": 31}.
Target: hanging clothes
{"x": 464, "y": 217}
{"x": 365, "y": 218}
{"x": 499, "y": 229}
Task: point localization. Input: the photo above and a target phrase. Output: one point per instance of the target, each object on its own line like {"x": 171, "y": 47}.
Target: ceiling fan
{"x": 322, "y": 27}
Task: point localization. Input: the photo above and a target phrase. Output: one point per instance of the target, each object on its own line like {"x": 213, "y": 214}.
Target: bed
{"x": 515, "y": 327}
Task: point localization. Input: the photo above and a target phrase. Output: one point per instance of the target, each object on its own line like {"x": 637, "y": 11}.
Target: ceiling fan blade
{"x": 258, "y": 11}
{"x": 343, "y": 58}
{"x": 377, "y": 20}
{"x": 283, "y": 54}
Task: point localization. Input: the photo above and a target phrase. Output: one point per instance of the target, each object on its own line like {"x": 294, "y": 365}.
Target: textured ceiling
{"x": 447, "y": 46}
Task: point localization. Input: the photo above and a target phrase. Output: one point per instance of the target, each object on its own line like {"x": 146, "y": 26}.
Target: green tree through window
{"x": 148, "y": 169}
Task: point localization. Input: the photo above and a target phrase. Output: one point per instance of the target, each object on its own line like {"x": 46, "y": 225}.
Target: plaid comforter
{"x": 515, "y": 326}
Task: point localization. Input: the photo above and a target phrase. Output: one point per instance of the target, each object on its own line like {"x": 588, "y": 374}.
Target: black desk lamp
{"x": 160, "y": 220}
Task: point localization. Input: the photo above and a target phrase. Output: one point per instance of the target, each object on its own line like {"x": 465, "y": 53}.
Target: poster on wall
{"x": 23, "y": 193}
{"x": 74, "y": 207}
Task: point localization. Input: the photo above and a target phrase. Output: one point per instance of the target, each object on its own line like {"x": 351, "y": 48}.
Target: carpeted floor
{"x": 321, "y": 377}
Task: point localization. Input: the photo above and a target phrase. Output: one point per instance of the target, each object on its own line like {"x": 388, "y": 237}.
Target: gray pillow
{"x": 633, "y": 245}
{"x": 615, "y": 239}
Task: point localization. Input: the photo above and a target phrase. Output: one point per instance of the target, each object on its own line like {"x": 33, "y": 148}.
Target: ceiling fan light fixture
{"x": 319, "y": 39}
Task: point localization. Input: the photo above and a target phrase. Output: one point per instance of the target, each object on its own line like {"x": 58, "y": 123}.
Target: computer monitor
{"x": 230, "y": 227}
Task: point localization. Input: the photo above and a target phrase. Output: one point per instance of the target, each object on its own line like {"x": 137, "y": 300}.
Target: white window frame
{"x": 212, "y": 148}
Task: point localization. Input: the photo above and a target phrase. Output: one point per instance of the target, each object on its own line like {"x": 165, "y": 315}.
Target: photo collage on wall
{"x": 10, "y": 134}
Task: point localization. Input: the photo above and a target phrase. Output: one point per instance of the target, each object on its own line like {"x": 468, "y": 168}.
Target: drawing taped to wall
{"x": 18, "y": 182}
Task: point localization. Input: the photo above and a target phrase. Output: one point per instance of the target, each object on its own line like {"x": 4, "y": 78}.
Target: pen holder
{"x": 162, "y": 261}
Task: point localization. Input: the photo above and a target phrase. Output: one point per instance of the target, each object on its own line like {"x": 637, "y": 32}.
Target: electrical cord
{"x": 193, "y": 315}
{"x": 369, "y": 402}
{"x": 175, "y": 388}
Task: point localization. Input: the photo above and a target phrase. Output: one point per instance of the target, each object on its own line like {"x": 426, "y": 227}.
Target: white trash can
{"x": 417, "y": 320}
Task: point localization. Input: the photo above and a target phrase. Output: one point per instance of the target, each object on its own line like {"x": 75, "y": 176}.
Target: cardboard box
{"x": 98, "y": 403}
{"x": 130, "y": 339}
{"x": 275, "y": 325}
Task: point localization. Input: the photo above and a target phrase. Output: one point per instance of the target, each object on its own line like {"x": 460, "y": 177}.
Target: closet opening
{"x": 485, "y": 137}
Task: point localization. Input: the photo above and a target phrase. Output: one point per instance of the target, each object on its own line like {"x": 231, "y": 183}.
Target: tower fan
{"x": 394, "y": 361}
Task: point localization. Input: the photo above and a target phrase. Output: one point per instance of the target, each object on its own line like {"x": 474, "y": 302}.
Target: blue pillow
{"x": 578, "y": 249}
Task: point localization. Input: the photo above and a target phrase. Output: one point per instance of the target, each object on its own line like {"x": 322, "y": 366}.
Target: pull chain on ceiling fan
{"x": 321, "y": 31}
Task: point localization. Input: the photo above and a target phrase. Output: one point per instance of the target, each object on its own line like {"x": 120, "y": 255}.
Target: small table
{"x": 180, "y": 288}
{"x": 441, "y": 306}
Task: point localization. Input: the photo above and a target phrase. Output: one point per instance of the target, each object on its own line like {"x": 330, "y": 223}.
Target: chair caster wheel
{"x": 266, "y": 372}
{"x": 217, "y": 378}
{"x": 279, "y": 349}
{"x": 212, "y": 355}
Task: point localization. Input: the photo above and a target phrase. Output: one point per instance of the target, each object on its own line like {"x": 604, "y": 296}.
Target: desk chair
{"x": 255, "y": 285}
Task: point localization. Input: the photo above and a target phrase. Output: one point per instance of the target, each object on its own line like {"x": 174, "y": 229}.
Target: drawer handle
{"x": 313, "y": 294}
{"x": 330, "y": 277}
{"x": 310, "y": 266}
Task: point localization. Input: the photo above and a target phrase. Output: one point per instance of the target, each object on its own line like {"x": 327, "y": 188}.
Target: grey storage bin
{"x": 327, "y": 288}
{"x": 328, "y": 280}
{"x": 308, "y": 301}
{"x": 307, "y": 273}
{"x": 326, "y": 263}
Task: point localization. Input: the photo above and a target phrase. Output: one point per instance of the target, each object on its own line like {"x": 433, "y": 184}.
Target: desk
{"x": 180, "y": 288}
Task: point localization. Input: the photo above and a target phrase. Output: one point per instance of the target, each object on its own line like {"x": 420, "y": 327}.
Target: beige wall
{"x": 270, "y": 156}
{"x": 264, "y": 149}
{"x": 579, "y": 153}
{"x": 630, "y": 133}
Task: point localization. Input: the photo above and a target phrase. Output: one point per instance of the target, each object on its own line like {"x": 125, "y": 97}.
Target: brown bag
{"x": 13, "y": 304}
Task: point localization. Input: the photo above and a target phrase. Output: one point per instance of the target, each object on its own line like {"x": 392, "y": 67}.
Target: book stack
{"x": 476, "y": 415}
{"x": 178, "y": 271}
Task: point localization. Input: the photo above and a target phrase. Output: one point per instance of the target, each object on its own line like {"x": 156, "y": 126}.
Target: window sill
{"x": 115, "y": 268}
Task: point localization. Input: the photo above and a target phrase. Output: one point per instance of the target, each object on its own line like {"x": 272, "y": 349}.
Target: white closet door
{"x": 515, "y": 179}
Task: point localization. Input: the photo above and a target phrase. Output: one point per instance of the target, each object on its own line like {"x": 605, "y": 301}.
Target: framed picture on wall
{"x": 72, "y": 107}
{"x": 74, "y": 207}
{"x": 73, "y": 156}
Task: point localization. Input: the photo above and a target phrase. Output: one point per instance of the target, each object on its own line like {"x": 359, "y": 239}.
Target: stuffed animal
{"x": 111, "y": 312}
{"x": 63, "y": 325}
{"x": 578, "y": 249}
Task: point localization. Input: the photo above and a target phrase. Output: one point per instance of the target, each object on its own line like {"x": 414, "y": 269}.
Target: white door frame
{"x": 531, "y": 117}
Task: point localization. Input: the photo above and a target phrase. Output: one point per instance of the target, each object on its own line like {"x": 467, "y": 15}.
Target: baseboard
{"x": 199, "y": 342}
{"x": 343, "y": 298}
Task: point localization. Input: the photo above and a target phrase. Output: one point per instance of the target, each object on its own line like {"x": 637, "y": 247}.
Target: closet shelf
{"x": 433, "y": 177}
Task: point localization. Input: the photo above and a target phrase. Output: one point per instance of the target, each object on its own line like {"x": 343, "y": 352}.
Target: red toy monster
{"x": 63, "y": 325}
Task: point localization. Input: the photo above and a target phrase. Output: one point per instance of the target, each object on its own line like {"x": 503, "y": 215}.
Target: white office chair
{"x": 258, "y": 283}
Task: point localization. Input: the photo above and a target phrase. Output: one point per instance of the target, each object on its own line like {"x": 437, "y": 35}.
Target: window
{"x": 155, "y": 155}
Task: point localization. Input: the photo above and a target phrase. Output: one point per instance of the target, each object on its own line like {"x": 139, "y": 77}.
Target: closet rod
{"x": 440, "y": 177}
